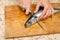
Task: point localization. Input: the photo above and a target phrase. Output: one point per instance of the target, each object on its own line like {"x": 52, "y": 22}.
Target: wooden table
{"x": 15, "y": 19}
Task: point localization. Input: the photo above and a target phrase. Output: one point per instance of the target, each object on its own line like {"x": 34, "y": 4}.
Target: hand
{"x": 48, "y": 9}
{"x": 26, "y": 4}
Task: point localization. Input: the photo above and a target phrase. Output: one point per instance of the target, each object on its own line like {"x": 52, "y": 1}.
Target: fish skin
{"x": 35, "y": 17}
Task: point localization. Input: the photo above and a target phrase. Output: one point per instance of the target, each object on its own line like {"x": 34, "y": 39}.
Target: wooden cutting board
{"x": 15, "y": 19}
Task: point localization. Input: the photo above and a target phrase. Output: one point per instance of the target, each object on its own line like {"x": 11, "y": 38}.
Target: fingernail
{"x": 26, "y": 13}
{"x": 35, "y": 11}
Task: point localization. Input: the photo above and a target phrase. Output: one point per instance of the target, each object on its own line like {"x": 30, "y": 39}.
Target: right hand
{"x": 26, "y": 4}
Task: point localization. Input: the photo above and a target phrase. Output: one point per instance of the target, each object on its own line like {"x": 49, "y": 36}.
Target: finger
{"x": 37, "y": 8}
{"x": 48, "y": 13}
{"x": 27, "y": 11}
{"x": 44, "y": 12}
{"x": 52, "y": 11}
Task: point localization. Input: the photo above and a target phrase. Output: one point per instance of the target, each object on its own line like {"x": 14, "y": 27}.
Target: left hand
{"x": 48, "y": 9}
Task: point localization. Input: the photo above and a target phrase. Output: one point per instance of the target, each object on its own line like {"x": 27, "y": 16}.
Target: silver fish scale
{"x": 32, "y": 21}
{"x": 35, "y": 17}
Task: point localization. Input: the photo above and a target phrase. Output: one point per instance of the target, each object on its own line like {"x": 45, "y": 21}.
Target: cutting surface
{"x": 15, "y": 20}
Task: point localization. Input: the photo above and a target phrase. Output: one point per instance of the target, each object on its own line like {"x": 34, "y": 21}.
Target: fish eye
{"x": 35, "y": 16}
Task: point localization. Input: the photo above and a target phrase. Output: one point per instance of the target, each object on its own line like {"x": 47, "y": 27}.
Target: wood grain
{"x": 15, "y": 19}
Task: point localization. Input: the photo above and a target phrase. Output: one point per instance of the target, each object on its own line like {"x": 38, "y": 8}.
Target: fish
{"x": 35, "y": 17}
